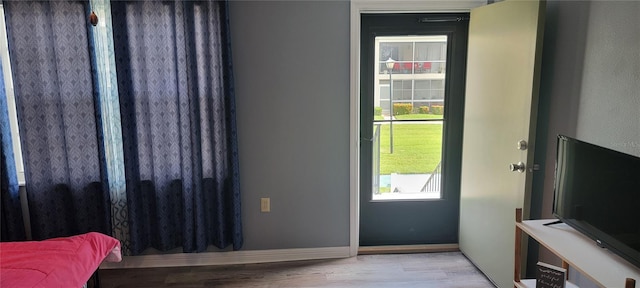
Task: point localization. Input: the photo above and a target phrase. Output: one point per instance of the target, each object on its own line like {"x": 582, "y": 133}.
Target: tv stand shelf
{"x": 576, "y": 250}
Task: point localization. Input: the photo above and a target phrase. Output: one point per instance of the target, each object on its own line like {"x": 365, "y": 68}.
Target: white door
{"x": 500, "y": 109}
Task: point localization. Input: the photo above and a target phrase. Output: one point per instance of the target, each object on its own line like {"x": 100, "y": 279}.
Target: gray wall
{"x": 609, "y": 113}
{"x": 591, "y": 68}
{"x": 590, "y": 86}
{"x": 291, "y": 61}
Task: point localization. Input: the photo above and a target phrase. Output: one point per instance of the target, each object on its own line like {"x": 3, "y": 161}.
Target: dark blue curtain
{"x": 54, "y": 90}
{"x": 175, "y": 83}
{"x": 10, "y": 210}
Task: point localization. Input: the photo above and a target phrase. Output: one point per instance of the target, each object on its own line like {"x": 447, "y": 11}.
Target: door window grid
{"x": 418, "y": 72}
{"x": 415, "y": 76}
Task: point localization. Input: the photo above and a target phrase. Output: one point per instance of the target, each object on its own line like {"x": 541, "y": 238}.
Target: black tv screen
{"x": 597, "y": 192}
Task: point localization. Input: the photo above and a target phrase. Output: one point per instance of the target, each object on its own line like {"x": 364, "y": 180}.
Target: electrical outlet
{"x": 265, "y": 204}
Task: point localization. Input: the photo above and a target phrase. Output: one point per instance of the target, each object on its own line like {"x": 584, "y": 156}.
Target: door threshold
{"x": 400, "y": 249}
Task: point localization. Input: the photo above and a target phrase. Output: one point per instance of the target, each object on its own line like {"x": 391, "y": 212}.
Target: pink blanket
{"x": 59, "y": 262}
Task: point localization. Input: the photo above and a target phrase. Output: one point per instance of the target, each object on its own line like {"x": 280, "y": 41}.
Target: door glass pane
{"x": 407, "y": 143}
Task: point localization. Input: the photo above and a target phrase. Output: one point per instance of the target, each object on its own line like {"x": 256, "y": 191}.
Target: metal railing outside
{"x": 434, "y": 181}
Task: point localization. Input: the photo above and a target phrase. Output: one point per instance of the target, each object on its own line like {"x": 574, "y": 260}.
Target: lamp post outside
{"x": 390, "y": 63}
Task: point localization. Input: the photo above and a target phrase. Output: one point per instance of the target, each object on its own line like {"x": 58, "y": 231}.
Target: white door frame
{"x": 359, "y": 7}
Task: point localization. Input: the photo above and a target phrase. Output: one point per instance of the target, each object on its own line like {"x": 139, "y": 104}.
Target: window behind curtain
{"x": 54, "y": 93}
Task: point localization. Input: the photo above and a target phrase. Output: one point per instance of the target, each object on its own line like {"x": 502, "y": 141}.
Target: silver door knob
{"x": 520, "y": 167}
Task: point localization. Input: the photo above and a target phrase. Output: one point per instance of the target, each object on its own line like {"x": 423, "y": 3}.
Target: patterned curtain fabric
{"x": 54, "y": 92}
{"x": 177, "y": 103}
{"x": 11, "y": 212}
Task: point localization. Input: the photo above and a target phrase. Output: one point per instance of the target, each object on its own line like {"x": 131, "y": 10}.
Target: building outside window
{"x": 418, "y": 72}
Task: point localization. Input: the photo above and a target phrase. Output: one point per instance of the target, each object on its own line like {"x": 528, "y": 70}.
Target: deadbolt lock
{"x": 522, "y": 145}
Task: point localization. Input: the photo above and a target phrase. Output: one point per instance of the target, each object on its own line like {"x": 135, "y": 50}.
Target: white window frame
{"x": 11, "y": 99}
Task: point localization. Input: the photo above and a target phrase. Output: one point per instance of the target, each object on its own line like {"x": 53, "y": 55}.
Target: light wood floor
{"x": 450, "y": 269}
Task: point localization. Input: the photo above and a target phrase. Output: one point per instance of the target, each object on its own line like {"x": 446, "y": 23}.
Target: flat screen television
{"x": 597, "y": 192}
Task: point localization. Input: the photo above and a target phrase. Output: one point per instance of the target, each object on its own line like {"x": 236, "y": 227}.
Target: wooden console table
{"x": 577, "y": 251}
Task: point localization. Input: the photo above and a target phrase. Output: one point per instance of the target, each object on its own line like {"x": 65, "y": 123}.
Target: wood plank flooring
{"x": 450, "y": 269}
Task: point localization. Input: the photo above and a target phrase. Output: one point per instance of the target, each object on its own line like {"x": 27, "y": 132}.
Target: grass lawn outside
{"x": 417, "y": 147}
{"x": 411, "y": 117}
{"x": 418, "y": 116}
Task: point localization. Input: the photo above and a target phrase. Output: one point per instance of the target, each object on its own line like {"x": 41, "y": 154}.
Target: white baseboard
{"x": 228, "y": 258}
{"x": 398, "y": 249}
